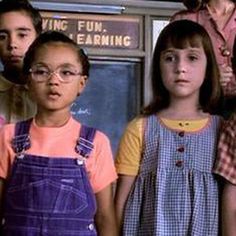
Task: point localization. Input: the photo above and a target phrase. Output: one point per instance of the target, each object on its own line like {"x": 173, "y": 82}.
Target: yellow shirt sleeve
{"x": 131, "y": 145}
{"x": 130, "y": 148}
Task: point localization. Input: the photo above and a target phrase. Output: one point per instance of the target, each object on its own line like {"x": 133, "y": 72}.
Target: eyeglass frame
{"x": 54, "y": 72}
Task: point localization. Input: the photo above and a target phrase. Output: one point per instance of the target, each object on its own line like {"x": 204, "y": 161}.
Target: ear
{"x": 82, "y": 83}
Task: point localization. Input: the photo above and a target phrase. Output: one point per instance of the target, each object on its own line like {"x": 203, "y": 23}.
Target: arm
{"x": 229, "y": 210}
{"x": 105, "y": 216}
{"x": 123, "y": 188}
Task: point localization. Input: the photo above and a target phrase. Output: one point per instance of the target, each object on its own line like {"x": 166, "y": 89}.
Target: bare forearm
{"x": 229, "y": 210}
{"x": 124, "y": 185}
{"x": 106, "y": 226}
{"x": 105, "y": 216}
{"x": 228, "y": 220}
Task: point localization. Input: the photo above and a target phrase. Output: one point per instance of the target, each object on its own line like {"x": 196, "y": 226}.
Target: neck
{"x": 182, "y": 109}
{"x": 52, "y": 118}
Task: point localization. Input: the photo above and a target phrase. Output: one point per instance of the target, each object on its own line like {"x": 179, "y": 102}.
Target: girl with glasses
{"x": 56, "y": 174}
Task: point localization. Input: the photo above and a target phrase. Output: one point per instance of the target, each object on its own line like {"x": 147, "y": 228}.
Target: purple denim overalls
{"x": 49, "y": 196}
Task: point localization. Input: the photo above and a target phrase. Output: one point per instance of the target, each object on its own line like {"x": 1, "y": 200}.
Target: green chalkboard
{"x": 111, "y": 98}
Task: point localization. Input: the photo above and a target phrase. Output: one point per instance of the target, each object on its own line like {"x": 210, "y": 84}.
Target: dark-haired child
{"x": 165, "y": 158}
{"x": 20, "y": 23}
{"x": 55, "y": 173}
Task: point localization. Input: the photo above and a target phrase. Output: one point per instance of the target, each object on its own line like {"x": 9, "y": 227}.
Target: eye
{"x": 193, "y": 57}
{"x": 40, "y": 71}
{"x": 3, "y": 36}
{"x": 169, "y": 58}
{"x": 22, "y": 35}
{"x": 67, "y": 72}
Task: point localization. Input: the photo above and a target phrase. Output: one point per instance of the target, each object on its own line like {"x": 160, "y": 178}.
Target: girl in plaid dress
{"x": 166, "y": 186}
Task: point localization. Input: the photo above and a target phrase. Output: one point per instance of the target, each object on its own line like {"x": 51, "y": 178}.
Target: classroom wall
{"x": 119, "y": 37}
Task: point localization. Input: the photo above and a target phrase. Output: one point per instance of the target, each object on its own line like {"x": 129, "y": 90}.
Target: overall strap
{"x": 84, "y": 144}
{"x": 21, "y": 140}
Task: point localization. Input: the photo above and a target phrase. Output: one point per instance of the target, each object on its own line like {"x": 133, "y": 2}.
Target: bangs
{"x": 182, "y": 41}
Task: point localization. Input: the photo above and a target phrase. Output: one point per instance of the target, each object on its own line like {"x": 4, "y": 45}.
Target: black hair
{"x": 24, "y": 6}
{"x": 181, "y": 34}
{"x": 54, "y": 37}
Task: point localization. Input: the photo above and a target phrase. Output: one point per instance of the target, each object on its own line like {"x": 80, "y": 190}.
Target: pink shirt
{"x": 60, "y": 142}
{"x": 222, "y": 40}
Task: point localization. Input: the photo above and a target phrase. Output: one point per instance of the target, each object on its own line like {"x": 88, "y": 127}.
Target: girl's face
{"x": 183, "y": 71}
{"x": 54, "y": 62}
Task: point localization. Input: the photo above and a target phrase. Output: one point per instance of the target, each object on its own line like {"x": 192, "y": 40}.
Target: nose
{"x": 12, "y": 42}
{"x": 53, "y": 78}
{"x": 180, "y": 66}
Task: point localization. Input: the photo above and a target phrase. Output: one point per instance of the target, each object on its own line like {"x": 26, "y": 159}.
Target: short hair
{"x": 24, "y": 6}
{"x": 180, "y": 34}
{"x": 54, "y": 37}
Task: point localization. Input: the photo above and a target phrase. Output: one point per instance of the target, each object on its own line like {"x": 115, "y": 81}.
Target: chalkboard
{"x": 111, "y": 98}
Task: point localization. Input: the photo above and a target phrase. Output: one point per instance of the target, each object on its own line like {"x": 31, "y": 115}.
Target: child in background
{"x": 165, "y": 158}
{"x": 56, "y": 173}
{"x": 20, "y": 24}
{"x": 226, "y": 167}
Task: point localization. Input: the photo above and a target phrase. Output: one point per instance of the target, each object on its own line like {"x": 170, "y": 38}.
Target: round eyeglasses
{"x": 43, "y": 74}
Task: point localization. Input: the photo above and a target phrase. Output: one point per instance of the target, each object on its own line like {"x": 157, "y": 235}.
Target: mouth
{"x": 15, "y": 58}
{"x": 53, "y": 95}
{"x": 181, "y": 81}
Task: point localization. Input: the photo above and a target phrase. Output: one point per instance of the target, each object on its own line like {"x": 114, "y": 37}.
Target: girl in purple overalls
{"x": 55, "y": 174}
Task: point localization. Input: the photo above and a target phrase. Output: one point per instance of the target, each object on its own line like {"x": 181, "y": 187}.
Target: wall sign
{"x": 100, "y": 31}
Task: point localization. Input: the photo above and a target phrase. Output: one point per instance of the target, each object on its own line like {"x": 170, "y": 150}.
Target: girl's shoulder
{"x": 217, "y": 117}
{"x": 138, "y": 125}
{"x": 8, "y": 129}
{"x": 136, "y": 122}
{"x": 99, "y": 138}
{"x": 7, "y": 133}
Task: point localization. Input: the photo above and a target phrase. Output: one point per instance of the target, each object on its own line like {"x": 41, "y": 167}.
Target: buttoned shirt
{"x": 226, "y": 161}
{"x": 222, "y": 40}
{"x": 15, "y": 102}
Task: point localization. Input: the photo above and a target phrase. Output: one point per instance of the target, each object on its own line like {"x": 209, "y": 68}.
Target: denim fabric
{"x": 48, "y": 197}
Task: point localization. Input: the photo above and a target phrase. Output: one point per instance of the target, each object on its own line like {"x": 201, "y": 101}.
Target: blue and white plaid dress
{"x": 175, "y": 193}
